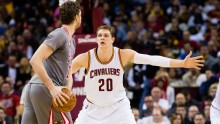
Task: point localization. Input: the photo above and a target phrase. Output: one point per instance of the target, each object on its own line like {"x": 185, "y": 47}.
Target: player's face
{"x": 104, "y": 38}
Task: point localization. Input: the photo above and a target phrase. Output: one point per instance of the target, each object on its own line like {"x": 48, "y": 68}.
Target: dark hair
{"x": 68, "y": 11}
{"x": 208, "y": 98}
{"x": 174, "y": 117}
{"x": 106, "y": 27}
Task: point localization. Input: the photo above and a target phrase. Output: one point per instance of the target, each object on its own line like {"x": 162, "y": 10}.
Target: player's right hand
{"x": 58, "y": 96}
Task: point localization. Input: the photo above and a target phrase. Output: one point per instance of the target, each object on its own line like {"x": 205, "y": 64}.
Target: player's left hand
{"x": 194, "y": 62}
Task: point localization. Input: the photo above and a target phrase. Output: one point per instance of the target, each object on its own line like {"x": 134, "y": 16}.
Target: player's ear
{"x": 113, "y": 39}
{"x": 76, "y": 17}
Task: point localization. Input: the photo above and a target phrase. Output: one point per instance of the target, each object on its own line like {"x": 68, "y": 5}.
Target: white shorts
{"x": 214, "y": 115}
{"x": 119, "y": 113}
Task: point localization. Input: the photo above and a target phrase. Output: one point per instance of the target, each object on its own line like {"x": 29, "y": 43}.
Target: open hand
{"x": 58, "y": 96}
{"x": 194, "y": 62}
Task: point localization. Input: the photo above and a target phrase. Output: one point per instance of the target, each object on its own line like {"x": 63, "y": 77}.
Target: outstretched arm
{"x": 78, "y": 62}
{"x": 134, "y": 57}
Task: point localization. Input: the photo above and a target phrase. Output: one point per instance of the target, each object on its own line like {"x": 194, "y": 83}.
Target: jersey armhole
{"x": 87, "y": 69}
{"x": 119, "y": 55}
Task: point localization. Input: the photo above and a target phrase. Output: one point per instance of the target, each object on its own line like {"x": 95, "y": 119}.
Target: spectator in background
{"x": 191, "y": 113}
{"x": 156, "y": 118}
{"x": 211, "y": 78}
{"x": 180, "y": 100}
{"x": 190, "y": 77}
{"x": 207, "y": 101}
{"x": 148, "y": 100}
{"x": 176, "y": 118}
{"x": 213, "y": 89}
{"x": 213, "y": 47}
{"x": 136, "y": 114}
{"x": 137, "y": 80}
{"x": 3, "y": 117}
{"x": 181, "y": 109}
{"x": 26, "y": 49}
{"x": 216, "y": 66}
{"x": 186, "y": 49}
{"x": 12, "y": 49}
{"x": 156, "y": 93}
{"x": 23, "y": 74}
{"x": 190, "y": 100}
{"x": 174, "y": 76}
{"x": 207, "y": 114}
{"x": 10, "y": 69}
{"x": 209, "y": 60}
{"x": 10, "y": 101}
{"x": 186, "y": 40}
{"x": 167, "y": 91}
{"x": 199, "y": 118}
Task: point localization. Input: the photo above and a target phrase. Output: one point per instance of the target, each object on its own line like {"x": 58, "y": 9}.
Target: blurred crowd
{"x": 170, "y": 28}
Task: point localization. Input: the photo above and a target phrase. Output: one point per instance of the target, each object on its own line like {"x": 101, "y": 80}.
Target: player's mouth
{"x": 102, "y": 42}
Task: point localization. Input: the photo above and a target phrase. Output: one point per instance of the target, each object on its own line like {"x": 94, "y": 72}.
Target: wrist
{"x": 182, "y": 63}
{"x": 51, "y": 87}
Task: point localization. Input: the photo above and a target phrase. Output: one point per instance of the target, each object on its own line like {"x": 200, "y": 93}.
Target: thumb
{"x": 189, "y": 55}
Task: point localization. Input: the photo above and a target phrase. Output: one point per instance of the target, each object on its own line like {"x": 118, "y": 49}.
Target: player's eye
{"x": 106, "y": 35}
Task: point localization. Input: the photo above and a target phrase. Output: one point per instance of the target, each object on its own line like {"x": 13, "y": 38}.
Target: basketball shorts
{"x": 118, "y": 113}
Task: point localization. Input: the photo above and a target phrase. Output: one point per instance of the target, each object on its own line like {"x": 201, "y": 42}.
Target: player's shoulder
{"x": 58, "y": 32}
{"x": 83, "y": 56}
{"x": 126, "y": 51}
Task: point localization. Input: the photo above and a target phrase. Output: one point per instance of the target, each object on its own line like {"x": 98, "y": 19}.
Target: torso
{"x": 58, "y": 63}
{"x": 104, "y": 81}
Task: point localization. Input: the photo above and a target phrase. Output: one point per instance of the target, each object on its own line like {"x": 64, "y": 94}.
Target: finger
{"x": 66, "y": 96}
{"x": 200, "y": 65}
{"x": 200, "y": 61}
{"x": 59, "y": 101}
{"x": 198, "y": 57}
{"x": 55, "y": 102}
{"x": 62, "y": 98}
{"x": 197, "y": 68}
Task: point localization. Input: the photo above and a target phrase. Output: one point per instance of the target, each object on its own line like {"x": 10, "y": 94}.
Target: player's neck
{"x": 105, "y": 50}
{"x": 105, "y": 53}
{"x": 70, "y": 28}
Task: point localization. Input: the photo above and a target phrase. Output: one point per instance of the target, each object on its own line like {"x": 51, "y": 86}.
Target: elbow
{"x": 33, "y": 61}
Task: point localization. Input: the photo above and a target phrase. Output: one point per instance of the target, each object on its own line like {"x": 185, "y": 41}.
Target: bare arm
{"x": 131, "y": 56}
{"x": 81, "y": 61}
{"x": 78, "y": 62}
{"x": 43, "y": 52}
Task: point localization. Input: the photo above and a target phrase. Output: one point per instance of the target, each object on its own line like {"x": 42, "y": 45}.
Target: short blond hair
{"x": 106, "y": 27}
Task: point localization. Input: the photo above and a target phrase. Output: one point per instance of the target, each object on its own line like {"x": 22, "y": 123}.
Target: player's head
{"x": 105, "y": 36}
{"x": 70, "y": 13}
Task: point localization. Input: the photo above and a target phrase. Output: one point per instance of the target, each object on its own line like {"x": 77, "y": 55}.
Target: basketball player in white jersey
{"x": 106, "y": 101}
{"x": 215, "y": 107}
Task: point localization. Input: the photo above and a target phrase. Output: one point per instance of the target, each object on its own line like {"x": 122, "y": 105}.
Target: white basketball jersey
{"x": 104, "y": 81}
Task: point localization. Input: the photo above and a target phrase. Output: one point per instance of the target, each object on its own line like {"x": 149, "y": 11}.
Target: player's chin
{"x": 102, "y": 45}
